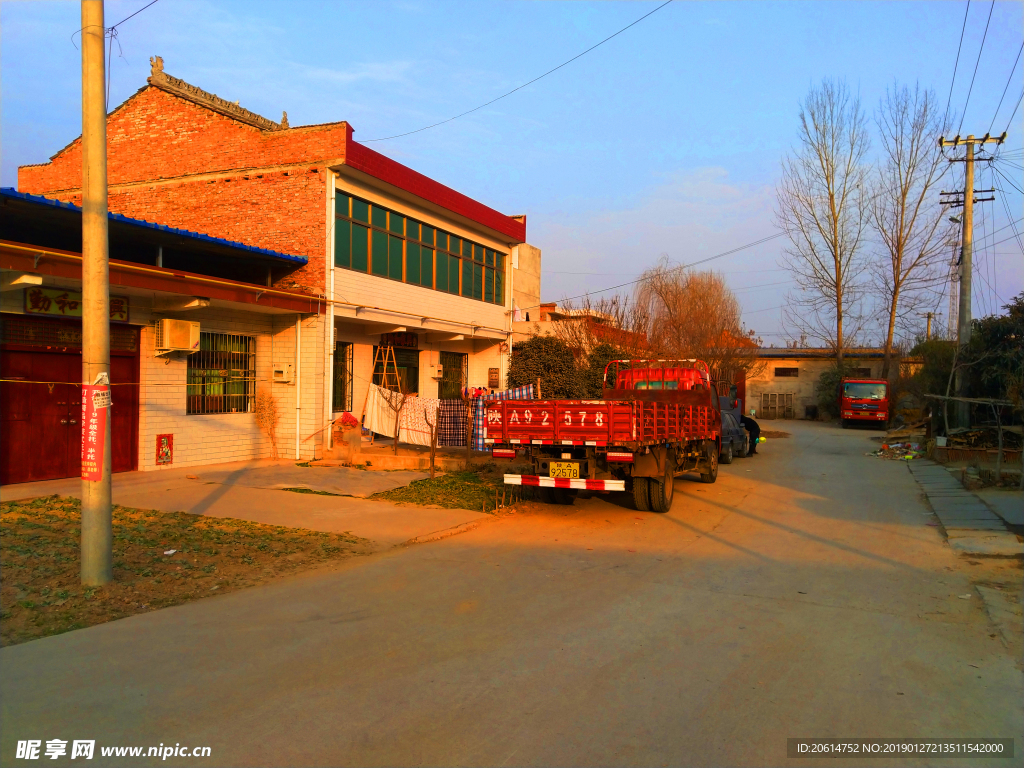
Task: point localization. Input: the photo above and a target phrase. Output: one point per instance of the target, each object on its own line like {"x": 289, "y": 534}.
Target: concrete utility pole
{"x": 966, "y": 254}
{"x": 928, "y": 330}
{"x": 97, "y": 541}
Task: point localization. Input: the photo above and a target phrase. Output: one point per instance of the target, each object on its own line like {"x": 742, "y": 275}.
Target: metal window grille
{"x": 454, "y": 375}
{"x": 792, "y": 373}
{"x": 343, "y": 376}
{"x": 222, "y": 374}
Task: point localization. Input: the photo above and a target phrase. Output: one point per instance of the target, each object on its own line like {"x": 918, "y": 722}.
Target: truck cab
{"x": 863, "y": 400}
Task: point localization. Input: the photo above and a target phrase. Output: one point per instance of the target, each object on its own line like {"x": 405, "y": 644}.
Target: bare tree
{"x": 694, "y": 314}
{"x": 904, "y": 210}
{"x": 615, "y": 320}
{"x": 822, "y": 205}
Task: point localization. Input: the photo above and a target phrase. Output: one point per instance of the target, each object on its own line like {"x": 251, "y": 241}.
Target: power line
{"x": 969, "y": 90}
{"x": 957, "y": 63}
{"x": 1008, "y": 180}
{"x": 674, "y": 269}
{"x": 519, "y": 88}
{"x": 1008, "y": 81}
{"x": 1008, "y": 122}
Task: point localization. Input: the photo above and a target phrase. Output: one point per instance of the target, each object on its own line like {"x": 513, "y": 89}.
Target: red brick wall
{"x": 268, "y": 187}
{"x": 156, "y": 136}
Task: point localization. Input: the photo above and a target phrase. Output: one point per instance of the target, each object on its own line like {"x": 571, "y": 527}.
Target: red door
{"x": 39, "y": 415}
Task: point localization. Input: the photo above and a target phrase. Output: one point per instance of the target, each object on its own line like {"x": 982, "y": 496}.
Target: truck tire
{"x": 726, "y": 457}
{"x": 662, "y": 491}
{"x": 565, "y": 495}
{"x": 711, "y": 453}
{"x": 641, "y": 494}
{"x": 547, "y": 495}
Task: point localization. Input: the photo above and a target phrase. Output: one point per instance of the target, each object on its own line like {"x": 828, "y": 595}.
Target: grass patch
{"x": 466, "y": 489}
{"x": 41, "y": 593}
{"x": 314, "y": 492}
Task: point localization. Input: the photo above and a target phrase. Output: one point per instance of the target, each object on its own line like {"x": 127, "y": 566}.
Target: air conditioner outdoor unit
{"x": 176, "y": 336}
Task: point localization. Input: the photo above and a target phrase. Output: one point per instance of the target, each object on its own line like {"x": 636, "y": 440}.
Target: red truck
{"x": 656, "y": 420}
{"x": 863, "y": 400}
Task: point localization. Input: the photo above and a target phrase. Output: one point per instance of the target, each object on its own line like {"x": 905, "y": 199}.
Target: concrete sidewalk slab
{"x": 254, "y": 474}
{"x": 1008, "y": 504}
{"x": 235, "y": 490}
{"x": 971, "y": 526}
{"x": 991, "y": 544}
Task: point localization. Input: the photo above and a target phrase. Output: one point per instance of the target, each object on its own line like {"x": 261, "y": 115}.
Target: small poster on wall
{"x": 165, "y": 449}
{"x": 493, "y": 378}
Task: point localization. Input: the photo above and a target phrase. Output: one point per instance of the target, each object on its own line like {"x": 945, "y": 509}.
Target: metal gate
{"x": 777, "y": 405}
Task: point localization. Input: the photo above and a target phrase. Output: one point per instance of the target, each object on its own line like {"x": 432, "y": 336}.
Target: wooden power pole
{"x": 97, "y": 560}
{"x": 966, "y": 255}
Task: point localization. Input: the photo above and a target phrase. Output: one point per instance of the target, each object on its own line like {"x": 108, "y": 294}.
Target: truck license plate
{"x": 567, "y": 469}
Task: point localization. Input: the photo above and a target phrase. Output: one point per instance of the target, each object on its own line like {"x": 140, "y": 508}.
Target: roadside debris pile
{"x": 899, "y": 451}
{"x": 985, "y": 438}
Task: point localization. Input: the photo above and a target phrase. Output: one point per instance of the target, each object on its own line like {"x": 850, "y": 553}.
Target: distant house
{"x": 786, "y": 388}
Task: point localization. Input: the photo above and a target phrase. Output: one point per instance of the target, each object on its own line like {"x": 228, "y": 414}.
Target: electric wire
{"x": 1008, "y": 81}
{"x": 1010, "y": 121}
{"x": 1006, "y": 207}
{"x": 1008, "y": 179}
{"x": 957, "y": 63}
{"x": 976, "y": 63}
{"x": 524, "y": 85}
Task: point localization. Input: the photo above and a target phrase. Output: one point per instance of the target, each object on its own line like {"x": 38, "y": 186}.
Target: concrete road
{"x": 804, "y": 594}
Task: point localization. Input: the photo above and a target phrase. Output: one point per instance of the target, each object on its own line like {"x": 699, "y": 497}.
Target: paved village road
{"x": 803, "y": 594}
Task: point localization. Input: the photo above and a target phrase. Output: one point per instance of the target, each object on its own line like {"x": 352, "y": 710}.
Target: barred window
{"x": 787, "y": 373}
{"x": 222, "y": 374}
{"x": 342, "y": 376}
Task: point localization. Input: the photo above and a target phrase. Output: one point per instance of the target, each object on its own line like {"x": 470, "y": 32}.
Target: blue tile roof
{"x": 40, "y": 200}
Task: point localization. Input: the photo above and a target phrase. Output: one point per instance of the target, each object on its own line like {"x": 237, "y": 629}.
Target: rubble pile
{"x": 899, "y": 451}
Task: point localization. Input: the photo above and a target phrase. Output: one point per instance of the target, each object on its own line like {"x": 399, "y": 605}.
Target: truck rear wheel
{"x": 641, "y": 494}
{"x": 711, "y": 458}
{"x": 662, "y": 491}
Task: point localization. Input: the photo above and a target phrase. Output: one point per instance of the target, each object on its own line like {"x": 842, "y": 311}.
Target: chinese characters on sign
{"x": 54, "y": 301}
{"x": 407, "y": 340}
{"x": 95, "y": 404}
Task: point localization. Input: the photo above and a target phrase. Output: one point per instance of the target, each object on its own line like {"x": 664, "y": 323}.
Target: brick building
{"x": 388, "y": 256}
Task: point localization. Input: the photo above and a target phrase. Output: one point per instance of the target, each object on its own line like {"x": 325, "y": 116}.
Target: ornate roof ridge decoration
{"x": 160, "y": 79}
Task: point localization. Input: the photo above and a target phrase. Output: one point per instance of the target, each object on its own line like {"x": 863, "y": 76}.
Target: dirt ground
{"x": 160, "y": 559}
{"x": 481, "y": 488}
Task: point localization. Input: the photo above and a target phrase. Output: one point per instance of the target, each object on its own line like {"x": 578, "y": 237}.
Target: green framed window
{"x": 343, "y": 243}
{"x": 467, "y": 278}
{"x": 395, "y": 258}
{"x": 371, "y": 238}
{"x": 441, "y": 283}
{"x": 478, "y": 282}
{"x": 379, "y": 253}
{"x": 426, "y": 268}
{"x": 360, "y": 247}
{"x": 412, "y": 262}
{"x": 396, "y": 223}
{"x": 342, "y": 376}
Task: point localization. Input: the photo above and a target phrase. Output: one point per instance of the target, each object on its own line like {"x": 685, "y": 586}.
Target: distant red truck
{"x": 863, "y": 400}
{"x": 657, "y": 419}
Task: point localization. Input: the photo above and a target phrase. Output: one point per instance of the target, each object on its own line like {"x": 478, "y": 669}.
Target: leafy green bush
{"x": 827, "y": 389}
{"x": 593, "y": 376}
{"x": 550, "y": 360}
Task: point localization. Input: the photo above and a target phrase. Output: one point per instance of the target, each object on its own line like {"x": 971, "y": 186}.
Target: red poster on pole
{"x": 95, "y": 404}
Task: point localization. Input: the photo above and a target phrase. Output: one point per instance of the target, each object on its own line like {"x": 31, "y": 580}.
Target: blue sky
{"x": 666, "y": 140}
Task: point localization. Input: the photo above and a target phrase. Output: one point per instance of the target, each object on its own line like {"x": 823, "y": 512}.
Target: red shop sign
{"x": 95, "y": 405}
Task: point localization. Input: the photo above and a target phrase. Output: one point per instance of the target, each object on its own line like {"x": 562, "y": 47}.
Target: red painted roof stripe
{"x": 385, "y": 169}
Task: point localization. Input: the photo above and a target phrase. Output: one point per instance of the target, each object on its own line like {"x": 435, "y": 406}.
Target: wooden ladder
{"x": 389, "y": 379}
